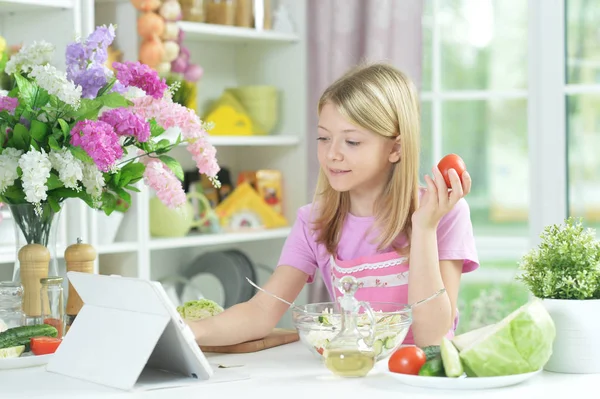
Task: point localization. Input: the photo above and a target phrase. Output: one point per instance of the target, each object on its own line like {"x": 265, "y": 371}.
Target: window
{"x": 582, "y": 96}
{"x": 474, "y": 95}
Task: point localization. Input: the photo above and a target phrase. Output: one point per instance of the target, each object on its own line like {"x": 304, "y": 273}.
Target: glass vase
{"x": 35, "y": 228}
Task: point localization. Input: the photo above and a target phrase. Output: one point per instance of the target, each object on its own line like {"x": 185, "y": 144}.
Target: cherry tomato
{"x": 451, "y": 161}
{"x": 407, "y": 360}
{"x": 44, "y": 345}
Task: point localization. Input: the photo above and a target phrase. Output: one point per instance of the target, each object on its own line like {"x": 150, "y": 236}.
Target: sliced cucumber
{"x": 452, "y": 364}
{"x": 390, "y": 342}
{"x": 377, "y": 347}
{"x": 13, "y": 351}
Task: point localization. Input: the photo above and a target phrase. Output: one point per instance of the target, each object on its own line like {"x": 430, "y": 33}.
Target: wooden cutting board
{"x": 276, "y": 338}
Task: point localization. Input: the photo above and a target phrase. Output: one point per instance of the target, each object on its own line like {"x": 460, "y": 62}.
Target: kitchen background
{"x": 513, "y": 86}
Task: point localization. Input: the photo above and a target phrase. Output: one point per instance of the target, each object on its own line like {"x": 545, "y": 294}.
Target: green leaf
{"x": 53, "y": 144}
{"x": 53, "y": 203}
{"x": 109, "y": 202}
{"x": 124, "y": 195}
{"x": 54, "y": 182}
{"x": 41, "y": 98}
{"x": 132, "y": 188}
{"x": 27, "y": 90}
{"x": 64, "y": 126}
{"x": 156, "y": 129}
{"x": 35, "y": 145}
{"x": 88, "y": 109}
{"x": 15, "y": 194}
{"x": 173, "y": 165}
{"x": 64, "y": 192}
{"x": 132, "y": 171}
{"x": 114, "y": 100}
{"x": 38, "y": 130}
{"x": 80, "y": 154}
{"x": 21, "y": 137}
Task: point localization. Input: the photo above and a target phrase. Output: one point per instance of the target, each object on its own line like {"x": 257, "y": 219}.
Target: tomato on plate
{"x": 407, "y": 360}
{"x": 44, "y": 345}
{"x": 451, "y": 161}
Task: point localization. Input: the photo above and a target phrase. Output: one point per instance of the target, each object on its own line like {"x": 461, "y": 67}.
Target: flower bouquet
{"x": 90, "y": 133}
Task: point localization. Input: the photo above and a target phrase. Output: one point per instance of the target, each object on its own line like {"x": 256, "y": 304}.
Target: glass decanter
{"x": 350, "y": 353}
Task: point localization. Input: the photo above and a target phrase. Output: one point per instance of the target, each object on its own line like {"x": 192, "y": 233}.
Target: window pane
{"x": 491, "y": 137}
{"x": 584, "y": 163}
{"x": 483, "y": 303}
{"x": 484, "y": 44}
{"x": 583, "y": 44}
{"x": 426, "y": 138}
{"x": 427, "y": 47}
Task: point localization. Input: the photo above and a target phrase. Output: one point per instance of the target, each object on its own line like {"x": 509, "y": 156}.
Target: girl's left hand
{"x": 438, "y": 200}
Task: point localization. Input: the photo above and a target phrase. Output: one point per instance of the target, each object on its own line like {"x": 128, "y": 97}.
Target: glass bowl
{"x": 321, "y": 322}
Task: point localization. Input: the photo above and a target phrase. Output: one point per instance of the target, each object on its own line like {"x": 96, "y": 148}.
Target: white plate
{"x": 462, "y": 383}
{"x": 24, "y": 361}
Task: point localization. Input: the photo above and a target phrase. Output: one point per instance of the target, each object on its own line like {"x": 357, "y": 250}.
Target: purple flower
{"x": 99, "y": 140}
{"x": 8, "y": 104}
{"x": 85, "y": 61}
{"x": 140, "y": 76}
{"x": 127, "y": 123}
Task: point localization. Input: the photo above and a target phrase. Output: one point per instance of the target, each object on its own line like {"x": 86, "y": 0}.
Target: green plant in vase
{"x": 89, "y": 134}
{"x": 564, "y": 271}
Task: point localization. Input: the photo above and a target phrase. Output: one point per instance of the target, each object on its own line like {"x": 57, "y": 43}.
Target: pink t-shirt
{"x": 382, "y": 275}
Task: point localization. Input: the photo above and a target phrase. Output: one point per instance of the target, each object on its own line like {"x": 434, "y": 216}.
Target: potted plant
{"x": 564, "y": 271}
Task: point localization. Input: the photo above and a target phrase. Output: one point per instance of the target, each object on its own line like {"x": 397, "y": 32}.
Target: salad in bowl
{"x": 318, "y": 323}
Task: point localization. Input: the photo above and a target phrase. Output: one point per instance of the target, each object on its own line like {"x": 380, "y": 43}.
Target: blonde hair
{"x": 383, "y": 100}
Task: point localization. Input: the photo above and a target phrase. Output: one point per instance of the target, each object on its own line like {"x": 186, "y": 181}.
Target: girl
{"x": 369, "y": 217}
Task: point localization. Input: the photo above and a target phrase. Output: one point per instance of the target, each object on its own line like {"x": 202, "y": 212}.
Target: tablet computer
{"x": 128, "y": 335}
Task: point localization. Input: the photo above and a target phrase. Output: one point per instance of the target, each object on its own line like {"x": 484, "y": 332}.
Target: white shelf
{"x": 200, "y": 240}
{"x": 117, "y": 248}
{"x": 10, "y": 6}
{"x": 263, "y": 141}
{"x": 232, "y": 34}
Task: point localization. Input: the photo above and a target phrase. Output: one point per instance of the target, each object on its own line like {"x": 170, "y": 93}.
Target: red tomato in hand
{"x": 451, "y": 161}
{"x": 44, "y": 345}
{"x": 407, "y": 360}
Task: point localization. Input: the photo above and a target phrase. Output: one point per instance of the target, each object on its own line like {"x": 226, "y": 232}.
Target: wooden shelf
{"x": 11, "y": 6}
{"x": 199, "y": 240}
{"x": 232, "y": 34}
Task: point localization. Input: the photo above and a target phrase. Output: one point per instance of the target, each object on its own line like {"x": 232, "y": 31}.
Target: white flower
{"x": 9, "y": 161}
{"x": 36, "y": 168}
{"x": 56, "y": 83}
{"x": 93, "y": 180}
{"x": 70, "y": 169}
{"x": 37, "y": 53}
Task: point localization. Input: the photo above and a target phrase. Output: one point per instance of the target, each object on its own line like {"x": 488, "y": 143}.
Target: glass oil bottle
{"x": 350, "y": 353}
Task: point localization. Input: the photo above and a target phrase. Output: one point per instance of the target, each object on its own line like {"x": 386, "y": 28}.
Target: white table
{"x": 288, "y": 371}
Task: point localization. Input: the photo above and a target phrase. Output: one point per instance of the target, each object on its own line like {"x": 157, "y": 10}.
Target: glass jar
{"x": 53, "y": 309}
{"x": 11, "y": 304}
{"x": 193, "y": 10}
{"x": 221, "y": 12}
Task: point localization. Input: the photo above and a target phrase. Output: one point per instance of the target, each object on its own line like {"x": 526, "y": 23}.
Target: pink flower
{"x": 99, "y": 140}
{"x": 142, "y": 76}
{"x": 126, "y": 123}
{"x": 204, "y": 155}
{"x": 8, "y": 104}
{"x": 169, "y": 114}
{"x": 161, "y": 179}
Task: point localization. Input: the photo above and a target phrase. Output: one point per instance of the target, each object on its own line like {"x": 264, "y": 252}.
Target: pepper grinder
{"x": 34, "y": 262}
{"x": 79, "y": 257}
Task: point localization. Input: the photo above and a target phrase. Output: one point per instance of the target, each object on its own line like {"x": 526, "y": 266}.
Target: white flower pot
{"x": 576, "y": 348}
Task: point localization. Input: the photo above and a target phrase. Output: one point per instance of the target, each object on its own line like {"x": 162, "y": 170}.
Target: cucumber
{"x": 17, "y": 336}
{"x": 433, "y": 368}
{"x": 377, "y": 347}
{"x": 452, "y": 364}
{"x": 390, "y": 342}
{"x": 431, "y": 351}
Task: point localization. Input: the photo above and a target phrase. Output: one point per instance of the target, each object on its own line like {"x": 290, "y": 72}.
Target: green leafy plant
{"x": 566, "y": 263}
